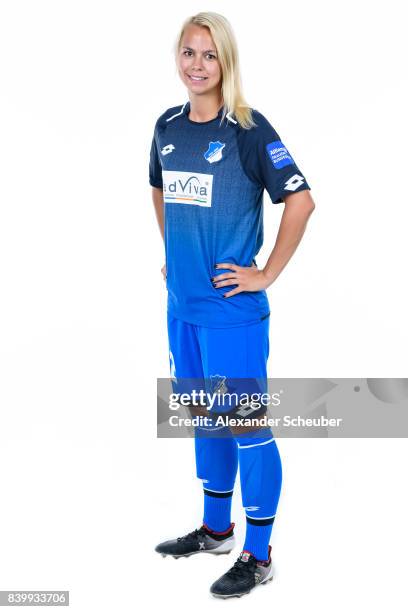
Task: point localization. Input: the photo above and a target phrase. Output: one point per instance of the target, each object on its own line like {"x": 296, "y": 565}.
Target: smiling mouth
{"x": 196, "y": 78}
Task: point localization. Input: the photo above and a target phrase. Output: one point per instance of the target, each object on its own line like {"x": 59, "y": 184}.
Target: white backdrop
{"x": 86, "y": 488}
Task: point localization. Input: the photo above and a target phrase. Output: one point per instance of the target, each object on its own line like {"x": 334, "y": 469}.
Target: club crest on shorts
{"x": 214, "y": 151}
{"x": 218, "y": 384}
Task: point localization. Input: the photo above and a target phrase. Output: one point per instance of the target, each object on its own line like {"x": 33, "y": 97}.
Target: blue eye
{"x": 209, "y": 55}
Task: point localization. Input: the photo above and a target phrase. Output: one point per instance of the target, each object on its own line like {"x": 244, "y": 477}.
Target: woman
{"x": 211, "y": 160}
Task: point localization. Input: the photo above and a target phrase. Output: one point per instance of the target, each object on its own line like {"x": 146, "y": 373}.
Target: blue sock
{"x": 217, "y": 512}
{"x": 261, "y": 480}
{"x": 217, "y": 464}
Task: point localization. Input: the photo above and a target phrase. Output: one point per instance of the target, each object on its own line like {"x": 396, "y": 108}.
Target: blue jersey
{"x": 213, "y": 178}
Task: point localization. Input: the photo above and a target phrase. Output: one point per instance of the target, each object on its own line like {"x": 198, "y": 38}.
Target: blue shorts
{"x": 227, "y": 363}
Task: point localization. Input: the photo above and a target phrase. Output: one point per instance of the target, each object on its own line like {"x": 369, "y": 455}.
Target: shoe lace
{"x": 242, "y": 568}
{"x": 193, "y": 535}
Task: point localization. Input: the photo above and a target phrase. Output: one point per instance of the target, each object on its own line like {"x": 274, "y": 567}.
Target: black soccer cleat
{"x": 246, "y": 573}
{"x": 201, "y": 540}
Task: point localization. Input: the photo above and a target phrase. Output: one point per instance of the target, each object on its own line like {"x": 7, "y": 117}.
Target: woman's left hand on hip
{"x": 248, "y": 278}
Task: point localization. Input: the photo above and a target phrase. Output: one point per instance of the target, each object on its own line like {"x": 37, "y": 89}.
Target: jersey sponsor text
{"x": 187, "y": 188}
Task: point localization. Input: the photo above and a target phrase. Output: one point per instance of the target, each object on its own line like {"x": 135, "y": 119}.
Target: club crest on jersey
{"x": 214, "y": 151}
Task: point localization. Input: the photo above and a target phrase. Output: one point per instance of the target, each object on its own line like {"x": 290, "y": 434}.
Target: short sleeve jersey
{"x": 213, "y": 177}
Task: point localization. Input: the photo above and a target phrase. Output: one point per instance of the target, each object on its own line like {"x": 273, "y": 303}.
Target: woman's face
{"x": 198, "y": 58}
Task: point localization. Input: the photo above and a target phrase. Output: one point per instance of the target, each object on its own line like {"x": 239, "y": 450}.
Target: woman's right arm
{"x": 157, "y": 195}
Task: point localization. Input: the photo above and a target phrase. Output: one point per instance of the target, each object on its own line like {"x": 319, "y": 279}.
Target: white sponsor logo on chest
{"x": 187, "y": 188}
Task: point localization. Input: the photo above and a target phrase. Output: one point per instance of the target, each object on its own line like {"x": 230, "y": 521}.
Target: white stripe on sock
{"x": 259, "y": 444}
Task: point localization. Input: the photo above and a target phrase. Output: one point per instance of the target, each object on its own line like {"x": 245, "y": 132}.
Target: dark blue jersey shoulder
{"x": 170, "y": 115}
{"x": 155, "y": 168}
{"x": 266, "y": 160}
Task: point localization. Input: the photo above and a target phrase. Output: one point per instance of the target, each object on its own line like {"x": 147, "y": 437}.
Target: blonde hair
{"x": 227, "y": 50}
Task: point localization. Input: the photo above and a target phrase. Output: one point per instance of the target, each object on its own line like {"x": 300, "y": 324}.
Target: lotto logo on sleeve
{"x": 187, "y": 188}
{"x": 278, "y": 154}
